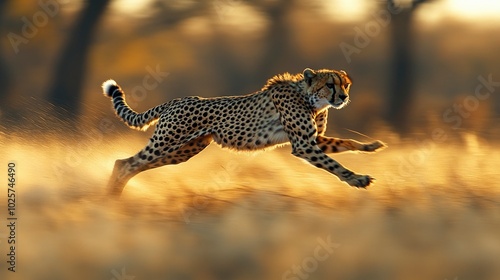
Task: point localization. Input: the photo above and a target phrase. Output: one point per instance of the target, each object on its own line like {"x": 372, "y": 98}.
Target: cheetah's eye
{"x": 330, "y": 85}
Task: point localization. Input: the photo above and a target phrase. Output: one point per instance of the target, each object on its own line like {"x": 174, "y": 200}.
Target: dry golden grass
{"x": 434, "y": 213}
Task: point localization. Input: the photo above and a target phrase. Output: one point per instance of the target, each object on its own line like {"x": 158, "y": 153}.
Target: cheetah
{"x": 289, "y": 109}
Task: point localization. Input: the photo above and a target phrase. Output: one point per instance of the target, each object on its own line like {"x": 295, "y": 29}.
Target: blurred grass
{"x": 432, "y": 214}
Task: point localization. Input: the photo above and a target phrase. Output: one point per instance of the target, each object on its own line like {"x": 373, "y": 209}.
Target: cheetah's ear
{"x": 309, "y": 74}
{"x": 347, "y": 75}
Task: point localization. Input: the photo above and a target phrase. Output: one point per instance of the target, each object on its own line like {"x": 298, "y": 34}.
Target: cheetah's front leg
{"x": 299, "y": 123}
{"x": 337, "y": 145}
{"x": 318, "y": 158}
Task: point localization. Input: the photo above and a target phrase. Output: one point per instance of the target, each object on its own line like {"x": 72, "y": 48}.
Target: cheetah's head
{"x": 327, "y": 88}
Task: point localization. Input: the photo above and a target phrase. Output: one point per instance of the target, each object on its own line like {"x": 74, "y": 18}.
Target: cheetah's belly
{"x": 252, "y": 134}
{"x": 273, "y": 132}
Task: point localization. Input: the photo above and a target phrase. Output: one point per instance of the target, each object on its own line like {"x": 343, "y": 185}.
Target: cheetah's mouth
{"x": 339, "y": 104}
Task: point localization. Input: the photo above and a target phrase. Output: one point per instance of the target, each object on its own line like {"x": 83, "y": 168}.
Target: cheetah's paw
{"x": 374, "y": 146}
{"x": 360, "y": 181}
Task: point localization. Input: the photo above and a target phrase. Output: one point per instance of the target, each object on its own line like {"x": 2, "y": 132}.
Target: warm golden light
{"x": 130, "y": 6}
{"x": 478, "y": 9}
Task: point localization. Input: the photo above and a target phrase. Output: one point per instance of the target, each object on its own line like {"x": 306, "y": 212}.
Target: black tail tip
{"x": 109, "y": 87}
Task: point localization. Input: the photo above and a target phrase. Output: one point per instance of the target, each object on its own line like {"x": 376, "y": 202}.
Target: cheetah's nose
{"x": 342, "y": 96}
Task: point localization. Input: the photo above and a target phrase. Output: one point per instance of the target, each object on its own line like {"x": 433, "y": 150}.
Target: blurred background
{"x": 426, "y": 82}
{"x": 411, "y": 61}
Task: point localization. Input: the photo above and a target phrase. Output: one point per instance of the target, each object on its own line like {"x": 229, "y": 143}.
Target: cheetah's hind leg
{"x": 120, "y": 176}
{"x": 125, "y": 169}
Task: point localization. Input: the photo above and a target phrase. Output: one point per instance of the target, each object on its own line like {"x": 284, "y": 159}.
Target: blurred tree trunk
{"x": 401, "y": 85}
{"x": 278, "y": 37}
{"x": 224, "y": 61}
{"x": 276, "y": 41}
{"x": 66, "y": 89}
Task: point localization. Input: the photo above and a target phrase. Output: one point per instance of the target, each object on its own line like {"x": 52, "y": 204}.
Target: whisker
{"x": 359, "y": 133}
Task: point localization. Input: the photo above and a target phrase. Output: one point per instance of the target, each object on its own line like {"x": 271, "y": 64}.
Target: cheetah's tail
{"x": 140, "y": 121}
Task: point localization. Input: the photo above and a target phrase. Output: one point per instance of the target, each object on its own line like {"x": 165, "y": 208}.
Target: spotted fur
{"x": 288, "y": 109}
